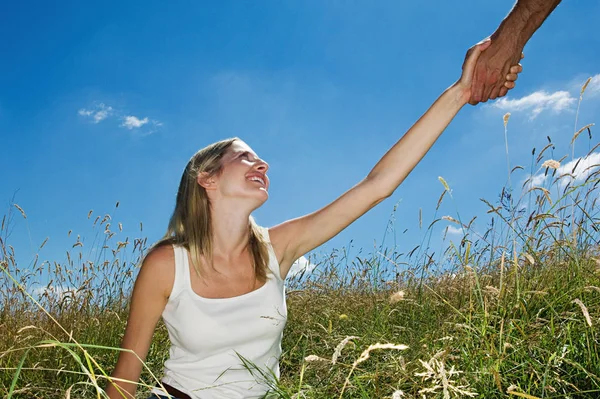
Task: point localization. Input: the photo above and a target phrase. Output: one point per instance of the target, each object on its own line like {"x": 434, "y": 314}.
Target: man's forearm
{"x": 523, "y": 20}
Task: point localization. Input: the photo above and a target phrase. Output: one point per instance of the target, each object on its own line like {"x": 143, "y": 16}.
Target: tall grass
{"x": 514, "y": 310}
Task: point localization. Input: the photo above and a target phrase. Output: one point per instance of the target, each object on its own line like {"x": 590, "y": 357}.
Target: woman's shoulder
{"x": 160, "y": 253}
{"x": 159, "y": 263}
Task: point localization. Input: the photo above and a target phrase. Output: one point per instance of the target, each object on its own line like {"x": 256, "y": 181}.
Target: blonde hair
{"x": 191, "y": 225}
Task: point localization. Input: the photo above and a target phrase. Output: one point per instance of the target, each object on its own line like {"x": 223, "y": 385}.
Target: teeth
{"x": 258, "y": 179}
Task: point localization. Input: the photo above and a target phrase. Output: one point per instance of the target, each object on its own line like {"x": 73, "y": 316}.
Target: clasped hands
{"x": 489, "y": 71}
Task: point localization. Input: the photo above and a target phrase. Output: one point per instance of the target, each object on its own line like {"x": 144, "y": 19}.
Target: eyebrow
{"x": 240, "y": 153}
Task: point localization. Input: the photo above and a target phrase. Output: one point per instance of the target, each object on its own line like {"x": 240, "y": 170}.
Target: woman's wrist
{"x": 460, "y": 92}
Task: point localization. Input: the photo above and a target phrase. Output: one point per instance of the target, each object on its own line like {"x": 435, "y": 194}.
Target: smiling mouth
{"x": 258, "y": 179}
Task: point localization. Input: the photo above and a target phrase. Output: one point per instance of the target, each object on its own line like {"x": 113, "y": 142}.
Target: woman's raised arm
{"x": 151, "y": 291}
{"x": 296, "y": 237}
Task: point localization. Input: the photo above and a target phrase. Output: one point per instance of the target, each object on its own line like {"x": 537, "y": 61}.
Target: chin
{"x": 258, "y": 198}
{"x": 264, "y": 197}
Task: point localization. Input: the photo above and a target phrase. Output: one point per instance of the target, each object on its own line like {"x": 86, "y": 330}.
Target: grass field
{"x": 512, "y": 312}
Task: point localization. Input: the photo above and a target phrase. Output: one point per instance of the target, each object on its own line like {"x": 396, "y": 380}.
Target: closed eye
{"x": 245, "y": 154}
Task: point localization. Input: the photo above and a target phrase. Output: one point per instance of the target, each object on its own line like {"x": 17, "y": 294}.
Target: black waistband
{"x": 174, "y": 392}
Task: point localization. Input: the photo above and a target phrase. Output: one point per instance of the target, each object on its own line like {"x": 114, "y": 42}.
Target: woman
{"x": 217, "y": 278}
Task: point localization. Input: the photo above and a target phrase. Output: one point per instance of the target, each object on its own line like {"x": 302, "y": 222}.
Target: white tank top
{"x": 209, "y": 337}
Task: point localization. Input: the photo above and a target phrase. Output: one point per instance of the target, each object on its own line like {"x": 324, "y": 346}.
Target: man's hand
{"x": 491, "y": 70}
{"x": 469, "y": 68}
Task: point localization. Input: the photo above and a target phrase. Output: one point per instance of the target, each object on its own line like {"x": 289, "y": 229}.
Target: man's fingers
{"x": 509, "y": 85}
{"x": 495, "y": 92}
{"x": 516, "y": 68}
{"x": 503, "y": 90}
{"x": 477, "y": 86}
{"x": 489, "y": 89}
{"x": 511, "y": 77}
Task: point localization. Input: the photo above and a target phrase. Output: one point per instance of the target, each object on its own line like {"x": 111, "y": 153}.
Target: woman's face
{"x": 244, "y": 174}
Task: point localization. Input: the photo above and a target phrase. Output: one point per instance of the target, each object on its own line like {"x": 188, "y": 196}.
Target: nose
{"x": 262, "y": 166}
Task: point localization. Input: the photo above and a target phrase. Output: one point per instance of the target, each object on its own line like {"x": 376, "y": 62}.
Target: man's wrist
{"x": 523, "y": 20}
{"x": 510, "y": 35}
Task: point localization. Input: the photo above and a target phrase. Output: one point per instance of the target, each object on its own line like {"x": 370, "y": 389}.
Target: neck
{"x": 229, "y": 230}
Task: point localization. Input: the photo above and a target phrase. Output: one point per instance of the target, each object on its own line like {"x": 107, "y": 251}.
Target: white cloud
{"x": 536, "y": 180}
{"x": 586, "y": 166}
{"x": 593, "y": 88}
{"x": 54, "y": 291}
{"x": 301, "y": 265}
{"x": 100, "y": 111}
{"x": 133, "y": 122}
{"x": 537, "y": 102}
{"x": 97, "y": 113}
{"x": 454, "y": 230}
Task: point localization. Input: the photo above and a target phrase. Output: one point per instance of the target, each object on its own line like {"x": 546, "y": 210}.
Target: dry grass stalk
{"x": 584, "y": 310}
{"x": 21, "y": 210}
{"x": 338, "y": 349}
{"x": 579, "y": 132}
{"x": 585, "y": 85}
{"x": 530, "y": 259}
{"x": 442, "y": 379}
{"x": 365, "y": 355}
{"x": 506, "y": 117}
{"x": 450, "y": 219}
{"x": 315, "y": 358}
{"x": 511, "y": 390}
{"x": 443, "y": 181}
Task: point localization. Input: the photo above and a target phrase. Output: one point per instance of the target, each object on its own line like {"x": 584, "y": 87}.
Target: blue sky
{"x": 106, "y": 102}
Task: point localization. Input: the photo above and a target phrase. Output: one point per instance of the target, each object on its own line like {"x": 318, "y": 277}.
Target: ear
{"x": 207, "y": 181}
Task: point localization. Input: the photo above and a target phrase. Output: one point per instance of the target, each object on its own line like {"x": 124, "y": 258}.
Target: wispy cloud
{"x": 585, "y": 167}
{"x": 97, "y": 113}
{"x": 536, "y": 180}
{"x": 133, "y": 122}
{"x": 454, "y": 230}
{"x": 538, "y": 102}
{"x": 301, "y": 265}
{"x": 100, "y": 111}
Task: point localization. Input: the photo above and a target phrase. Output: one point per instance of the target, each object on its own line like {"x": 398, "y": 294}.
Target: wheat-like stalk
{"x": 506, "y": 117}
{"x": 584, "y": 310}
{"x": 338, "y": 349}
{"x": 365, "y": 355}
{"x": 21, "y": 210}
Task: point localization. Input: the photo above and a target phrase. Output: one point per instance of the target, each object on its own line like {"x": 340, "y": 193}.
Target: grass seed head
{"x": 551, "y": 163}
{"x": 21, "y": 210}
{"x": 397, "y": 297}
{"x": 338, "y": 349}
{"x": 584, "y": 310}
{"x": 585, "y": 85}
{"x": 315, "y": 358}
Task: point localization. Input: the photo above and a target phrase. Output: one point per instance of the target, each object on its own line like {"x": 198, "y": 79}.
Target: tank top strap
{"x": 273, "y": 263}
{"x": 182, "y": 271}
